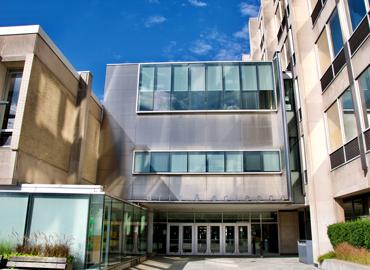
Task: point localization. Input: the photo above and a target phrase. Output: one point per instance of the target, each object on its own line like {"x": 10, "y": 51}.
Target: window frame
{"x": 205, "y": 110}
{"x": 225, "y": 172}
{"x": 349, "y": 18}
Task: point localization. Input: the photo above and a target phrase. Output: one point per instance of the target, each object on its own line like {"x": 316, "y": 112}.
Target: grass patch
{"x": 347, "y": 252}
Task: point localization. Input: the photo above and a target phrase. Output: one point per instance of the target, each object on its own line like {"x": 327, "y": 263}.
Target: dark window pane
{"x": 142, "y": 161}
{"x": 146, "y": 101}
{"x": 214, "y": 100}
{"x": 198, "y": 100}
{"x": 179, "y": 100}
{"x": 159, "y": 162}
{"x": 215, "y": 162}
{"x": 250, "y": 100}
{"x": 10, "y": 109}
{"x": 179, "y": 162}
{"x": 357, "y": 11}
{"x": 197, "y": 162}
{"x": 231, "y": 100}
{"x": 252, "y": 162}
{"x": 161, "y": 100}
{"x": 267, "y": 100}
{"x": 336, "y": 33}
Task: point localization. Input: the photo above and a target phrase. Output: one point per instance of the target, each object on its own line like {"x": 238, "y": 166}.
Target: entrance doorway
{"x": 209, "y": 239}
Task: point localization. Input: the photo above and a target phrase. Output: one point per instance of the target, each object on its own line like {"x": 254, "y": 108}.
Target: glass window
{"x": 180, "y": 78}
{"x": 215, "y": 162}
{"x": 197, "y": 162}
{"x": 250, "y": 100}
{"x": 271, "y": 162}
{"x": 266, "y": 100}
{"x": 234, "y": 161}
{"x": 249, "y": 77}
{"x": 180, "y": 100}
{"x": 161, "y": 101}
{"x": 198, "y": 100}
{"x": 231, "y": 100}
{"x": 252, "y": 162}
{"x": 159, "y": 162}
{"x": 146, "y": 101}
{"x": 197, "y": 78}
{"x": 15, "y": 79}
{"x": 231, "y": 77}
{"x": 179, "y": 162}
{"x": 334, "y": 130}
{"x": 214, "y": 78}
{"x": 142, "y": 161}
{"x": 147, "y": 78}
{"x": 336, "y": 33}
{"x": 357, "y": 11}
{"x": 116, "y": 231}
{"x": 323, "y": 52}
{"x": 265, "y": 79}
{"x": 349, "y": 119}
{"x": 129, "y": 229}
{"x": 13, "y": 209}
{"x": 364, "y": 83}
{"x": 163, "y": 78}
{"x": 68, "y": 222}
{"x": 214, "y": 100}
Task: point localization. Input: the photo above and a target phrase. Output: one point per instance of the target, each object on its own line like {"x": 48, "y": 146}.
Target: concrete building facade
{"x": 324, "y": 45}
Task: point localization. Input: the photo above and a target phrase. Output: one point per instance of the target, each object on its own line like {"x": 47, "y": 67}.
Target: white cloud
{"x": 153, "y": 1}
{"x": 248, "y": 9}
{"x": 200, "y": 47}
{"x": 197, "y": 3}
{"x": 153, "y": 20}
{"x": 243, "y": 33}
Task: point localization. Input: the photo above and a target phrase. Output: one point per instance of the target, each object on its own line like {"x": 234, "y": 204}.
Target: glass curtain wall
{"x": 206, "y": 86}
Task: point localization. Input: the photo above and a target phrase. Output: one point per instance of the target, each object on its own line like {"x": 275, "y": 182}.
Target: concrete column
{"x": 150, "y": 232}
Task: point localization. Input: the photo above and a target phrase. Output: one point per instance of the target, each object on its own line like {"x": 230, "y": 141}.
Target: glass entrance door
{"x": 187, "y": 239}
{"x": 201, "y": 241}
{"x": 243, "y": 239}
{"x": 229, "y": 239}
{"x": 215, "y": 239}
{"x": 174, "y": 239}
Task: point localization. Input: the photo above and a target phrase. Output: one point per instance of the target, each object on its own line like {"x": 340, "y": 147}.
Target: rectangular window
{"x": 357, "y": 11}
{"x": 214, "y": 100}
{"x": 197, "y": 78}
{"x": 271, "y": 162}
{"x": 334, "y": 130}
{"x": 163, "y": 78}
{"x": 180, "y": 78}
{"x": 159, "y": 162}
{"x": 323, "y": 52}
{"x": 249, "y": 77}
{"x": 231, "y": 78}
{"x": 198, "y": 100}
{"x": 250, "y": 100}
{"x": 146, "y": 101}
{"x": 336, "y": 33}
{"x": 179, "y": 162}
{"x": 349, "y": 119}
{"x": 252, "y": 162}
{"x": 207, "y": 162}
{"x": 197, "y": 162}
{"x": 180, "y": 100}
{"x": 364, "y": 83}
{"x": 142, "y": 162}
{"x": 161, "y": 100}
{"x": 8, "y": 106}
{"x": 214, "y": 77}
{"x": 265, "y": 78}
{"x": 215, "y": 162}
{"x": 234, "y": 161}
{"x": 147, "y": 78}
{"x": 232, "y": 100}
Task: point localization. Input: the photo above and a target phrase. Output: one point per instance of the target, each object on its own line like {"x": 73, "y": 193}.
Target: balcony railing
{"x": 345, "y": 153}
{"x": 338, "y": 63}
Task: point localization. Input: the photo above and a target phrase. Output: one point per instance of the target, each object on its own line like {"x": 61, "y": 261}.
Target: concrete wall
{"x": 288, "y": 232}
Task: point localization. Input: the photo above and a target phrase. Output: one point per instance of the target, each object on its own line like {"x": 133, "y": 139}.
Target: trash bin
{"x": 305, "y": 251}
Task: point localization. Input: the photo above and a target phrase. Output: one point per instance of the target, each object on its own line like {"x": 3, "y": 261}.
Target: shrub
{"x": 5, "y": 249}
{"x": 346, "y": 252}
{"x": 356, "y": 233}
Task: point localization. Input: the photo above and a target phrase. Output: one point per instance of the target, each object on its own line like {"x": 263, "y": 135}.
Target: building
{"x": 210, "y": 149}
{"x": 325, "y": 49}
{"x": 49, "y": 151}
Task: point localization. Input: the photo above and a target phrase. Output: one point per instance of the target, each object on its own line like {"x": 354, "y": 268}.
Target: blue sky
{"x": 94, "y": 33}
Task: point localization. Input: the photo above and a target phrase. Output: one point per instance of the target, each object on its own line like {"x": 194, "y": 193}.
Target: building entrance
{"x": 209, "y": 239}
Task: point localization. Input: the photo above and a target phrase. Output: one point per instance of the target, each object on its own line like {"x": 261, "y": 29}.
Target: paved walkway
{"x": 225, "y": 263}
